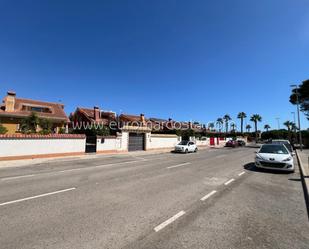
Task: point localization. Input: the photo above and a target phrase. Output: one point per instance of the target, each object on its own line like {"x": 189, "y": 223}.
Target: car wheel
{"x": 195, "y": 150}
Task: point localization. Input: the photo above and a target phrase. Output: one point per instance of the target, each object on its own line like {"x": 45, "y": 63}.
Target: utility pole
{"x": 296, "y": 87}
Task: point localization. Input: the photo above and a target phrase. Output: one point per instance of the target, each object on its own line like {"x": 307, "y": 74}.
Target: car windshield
{"x": 183, "y": 143}
{"x": 273, "y": 149}
{"x": 278, "y": 142}
{"x": 289, "y": 147}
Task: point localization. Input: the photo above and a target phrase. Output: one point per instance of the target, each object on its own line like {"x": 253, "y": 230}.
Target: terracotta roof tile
{"x": 57, "y": 109}
{"x": 105, "y": 116}
{"x": 130, "y": 118}
{"x": 38, "y": 136}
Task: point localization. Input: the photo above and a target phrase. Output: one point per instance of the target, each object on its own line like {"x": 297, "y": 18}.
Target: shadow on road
{"x": 251, "y": 167}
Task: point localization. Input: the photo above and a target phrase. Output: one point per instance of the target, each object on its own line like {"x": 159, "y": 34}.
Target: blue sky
{"x": 188, "y": 60}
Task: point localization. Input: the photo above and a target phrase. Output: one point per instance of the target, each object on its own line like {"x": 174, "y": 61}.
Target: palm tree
{"x": 226, "y": 119}
{"x": 241, "y": 116}
{"x": 267, "y": 127}
{"x": 255, "y": 118}
{"x": 233, "y": 126}
{"x": 248, "y": 128}
{"x": 289, "y": 125}
{"x": 219, "y": 123}
{"x": 294, "y": 127}
{"x": 211, "y": 126}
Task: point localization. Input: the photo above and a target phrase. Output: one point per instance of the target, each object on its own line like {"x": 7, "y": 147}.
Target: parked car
{"x": 232, "y": 143}
{"x": 186, "y": 147}
{"x": 241, "y": 142}
{"x": 274, "y": 156}
{"x": 285, "y": 142}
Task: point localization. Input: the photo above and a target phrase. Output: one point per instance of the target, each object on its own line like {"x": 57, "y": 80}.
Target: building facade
{"x": 13, "y": 110}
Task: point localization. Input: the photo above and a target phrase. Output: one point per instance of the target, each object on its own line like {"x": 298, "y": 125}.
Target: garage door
{"x": 136, "y": 141}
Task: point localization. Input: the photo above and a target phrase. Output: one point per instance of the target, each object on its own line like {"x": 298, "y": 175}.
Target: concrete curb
{"x": 305, "y": 181}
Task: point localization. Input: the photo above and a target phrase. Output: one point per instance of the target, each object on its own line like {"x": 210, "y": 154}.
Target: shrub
{"x": 29, "y": 124}
{"x": 46, "y": 126}
{"x": 3, "y": 130}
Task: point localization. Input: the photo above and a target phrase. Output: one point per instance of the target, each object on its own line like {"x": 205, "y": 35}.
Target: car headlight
{"x": 258, "y": 157}
{"x": 287, "y": 159}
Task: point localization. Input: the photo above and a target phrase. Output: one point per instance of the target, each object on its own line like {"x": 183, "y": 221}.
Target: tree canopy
{"x": 303, "y": 96}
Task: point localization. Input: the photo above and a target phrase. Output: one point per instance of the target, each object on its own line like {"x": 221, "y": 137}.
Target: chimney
{"x": 9, "y": 101}
{"x": 96, "y": 113}
{"x": 143, "y": 119}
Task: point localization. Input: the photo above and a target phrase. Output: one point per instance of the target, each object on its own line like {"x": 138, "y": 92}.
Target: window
{"x": 36, "y": 109}
{"x": 183, "y": 143}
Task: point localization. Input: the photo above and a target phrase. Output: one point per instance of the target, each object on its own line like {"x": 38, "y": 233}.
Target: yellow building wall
{"x": 12, "y": 128}
{"x": 10, "y": 124}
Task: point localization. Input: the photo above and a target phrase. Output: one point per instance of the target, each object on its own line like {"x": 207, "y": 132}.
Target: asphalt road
{"x": 212, "y": 199}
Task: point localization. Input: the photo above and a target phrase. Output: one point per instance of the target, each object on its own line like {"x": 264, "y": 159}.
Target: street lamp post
{"x": 295, "y": 87}
{"x": 295, "y": 134}
{"x": 278, "y": 122}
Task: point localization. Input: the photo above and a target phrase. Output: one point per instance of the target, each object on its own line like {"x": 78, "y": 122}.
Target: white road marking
{"x": 228, "y": 182}
{"x": 169, "y": 221}
{"x": 36, "y": 196}
{"x": 178, "y": 165}
{"x": 208, "y": 195}
{"x": 240, "y": 174}
{"x": 15, "y": 177}
{"x": 70, "y": 170}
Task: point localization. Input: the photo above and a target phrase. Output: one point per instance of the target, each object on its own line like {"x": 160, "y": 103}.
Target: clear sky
{"x": 188, "y": 60}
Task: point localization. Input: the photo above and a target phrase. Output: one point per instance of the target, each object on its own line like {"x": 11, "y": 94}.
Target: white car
{"x": 186, "y": 147}
{"x": 274, "y": 156}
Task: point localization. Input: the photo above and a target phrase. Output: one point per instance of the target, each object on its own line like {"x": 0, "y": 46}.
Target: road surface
{"x": 212, "y": 199}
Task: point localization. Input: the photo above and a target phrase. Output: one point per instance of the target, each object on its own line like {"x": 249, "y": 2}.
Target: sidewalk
{"x": 303, "y": 159}
{"x": 25, "y": 162}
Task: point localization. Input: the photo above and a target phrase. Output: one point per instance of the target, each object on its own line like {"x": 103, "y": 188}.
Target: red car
{"x": 232, "y": 143}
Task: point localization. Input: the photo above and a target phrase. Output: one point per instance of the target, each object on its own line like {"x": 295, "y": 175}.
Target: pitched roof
{"x": 105, "y": 116}
{"x": 56, "y": 109}
{"x": 130, "y": 118}
{"x": 160, "y": 120}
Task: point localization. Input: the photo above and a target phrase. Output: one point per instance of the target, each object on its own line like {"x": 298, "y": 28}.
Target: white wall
{"x": 40, "y": 146}
{"x": 157, "y": 141}
{"x": 202, "y": 142}
{"x": 116, "y": 143}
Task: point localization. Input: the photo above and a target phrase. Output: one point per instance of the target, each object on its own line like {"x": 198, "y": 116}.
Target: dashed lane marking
{"x": 15, "y": 177}
{"x": 37, "y": 196}
{"x": 169, "y": 221}
{"x": 228, "y": 182}
{"x": 178, "y": 165}
{"x": 208, "y": 195}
